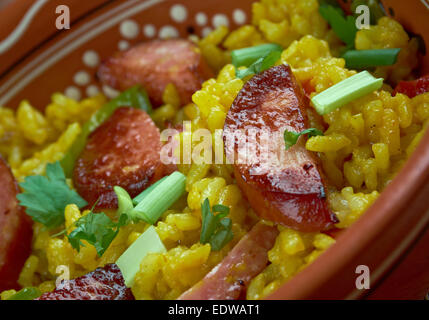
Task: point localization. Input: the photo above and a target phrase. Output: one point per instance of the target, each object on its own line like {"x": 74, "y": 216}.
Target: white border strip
{"x": 425, "y": 3}
{"x": 6, "y": 44}
{"x": 87, "y": 32}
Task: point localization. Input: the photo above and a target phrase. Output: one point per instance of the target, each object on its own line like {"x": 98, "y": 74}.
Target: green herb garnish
{"x": 361, "y": 59}
{"x": 158, "y": 199}
{"x": 247, "y": 56}
{"x": 97, "y": 229}
{"x": 145, "y": 193}
{"x": 291, "y": 138}
{"x": 136, "y": 97}
{"x": 125, "y": 203}
{"x": 344, "y": 27}
{"x": 29, "y": 293}
{"x": 216, "y": 229}
{"x": 346, "y": 91}
{"x": 45, "y": 198}
{"x": 260, "y": 65}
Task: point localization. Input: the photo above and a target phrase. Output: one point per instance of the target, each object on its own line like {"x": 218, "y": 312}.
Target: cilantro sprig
{"x": 46, "y": 197}
{"x": 216, "y": 229}
{"x": 260, "y": 65}
{"x": 97, "y": 229}
{"x": 291, "y": 138}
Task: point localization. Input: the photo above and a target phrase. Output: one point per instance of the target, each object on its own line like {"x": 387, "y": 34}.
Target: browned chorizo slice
{"x": 15, "y": 231}
{"x": 102, "y": 284}
{"x": 154, "y": 65}
{"x": 124, "y": 151}
{"x": 289, "y": 187}
{"x": 230, "y": 278}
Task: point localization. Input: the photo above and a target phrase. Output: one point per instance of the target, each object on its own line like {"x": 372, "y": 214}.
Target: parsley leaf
{"x": 291, "y": 137}
{"x": 262, "y": 64}
{"x": 45, "y": 198}
{"x": 344, "y": 27}
{"x": 97, "y": 229}
{"x": 216, "y": 229}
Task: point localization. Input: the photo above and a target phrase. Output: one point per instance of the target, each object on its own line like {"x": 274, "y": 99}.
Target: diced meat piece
{"x": 283, "y": 186}
{"x": 15, "y": 231}
{"x": 413, "y": 88}
{"x": 102, "y": 284}
{"x": 124, "y": 151}
{"x": 156, "y": 64}
{"x": 230, "y": 279}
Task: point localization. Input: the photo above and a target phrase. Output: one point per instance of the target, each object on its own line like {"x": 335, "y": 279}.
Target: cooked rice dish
{"x": 360, "y": 148}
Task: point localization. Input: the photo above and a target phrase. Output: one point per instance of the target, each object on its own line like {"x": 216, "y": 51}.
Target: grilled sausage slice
{"x": 102, "y": 284}
{"x": 154, "y": 65}
{"x": 15, "y": 230}
{"x": 289, "y": 187}
{"x": 124, "y": 151}
{"x": 230, "y": 278}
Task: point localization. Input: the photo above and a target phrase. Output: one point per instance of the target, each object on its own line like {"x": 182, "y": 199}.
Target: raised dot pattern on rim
{"x": 178, "y": 13}
{"x": 130, "y": 29}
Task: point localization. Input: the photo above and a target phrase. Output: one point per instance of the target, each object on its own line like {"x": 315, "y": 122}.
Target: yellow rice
{"x": 365, "y": 144}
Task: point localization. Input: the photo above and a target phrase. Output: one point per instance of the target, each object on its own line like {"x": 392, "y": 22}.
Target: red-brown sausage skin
{"x": 124, "y": 151}
{"x": 231, "y": 277}
{"x": 15, "y": 231}
{"x": 156, "y": 64}
{"x": 105, "y": 283}
{"x": 291, "y": 191}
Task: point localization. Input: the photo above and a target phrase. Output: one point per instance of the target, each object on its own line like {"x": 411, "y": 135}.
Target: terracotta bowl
{"x": 392, "y": 238}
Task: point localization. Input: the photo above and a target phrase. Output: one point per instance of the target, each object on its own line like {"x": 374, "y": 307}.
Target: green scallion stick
{"x": 361, "y": 59}
{"x": 144, "y": 194}
{"x": 160, "y": 198}
{"x": 246, "y": 56}
{"x": 125, "y": 204}
{"x": 129, "y": 262}
{"x": 346, "y": 91}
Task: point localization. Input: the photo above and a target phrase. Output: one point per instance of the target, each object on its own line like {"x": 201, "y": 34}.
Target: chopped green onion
{"x": 145, "y": 193}
{"x": 29, "y": 293}
{"x": 260, "y": 65}
{"x": 291, "y": 137}
{"x": 346, "y": 91}
{"x": 361, "y": 59}
{"x": 344, "y": 27}
{"x": 136, "y": 97}
{"x": 246, "y": 56}
{"x": 129, "y": 262}
{"x": 160, "y": 198}
{"x": 125, "y": 204}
